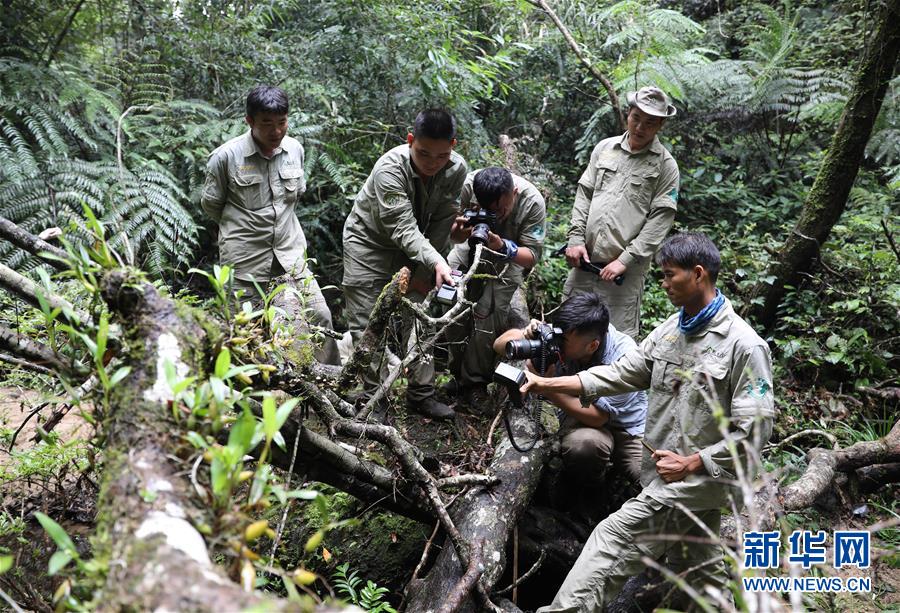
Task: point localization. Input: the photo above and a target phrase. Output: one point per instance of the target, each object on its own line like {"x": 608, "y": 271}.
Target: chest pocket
{"x": 605, "y": 176}
{"x": 292, "y": 181}
{"x": 248, "y": 190}
{"x": 641, "y": 185}
{"x": 707, "y": 386}
{"x": 666, "y": 376}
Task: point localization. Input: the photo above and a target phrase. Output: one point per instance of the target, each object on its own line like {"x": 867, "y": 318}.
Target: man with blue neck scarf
{"x": 702, "y": 359}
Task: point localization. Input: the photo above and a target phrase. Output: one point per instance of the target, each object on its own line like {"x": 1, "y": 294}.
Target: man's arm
{"x": 584, "y": 192}
{"x": 215, "y": 187}
{"x": 587, "y": 415}
{"x": 659, "y": 221}
{"x": 532, "y": 232}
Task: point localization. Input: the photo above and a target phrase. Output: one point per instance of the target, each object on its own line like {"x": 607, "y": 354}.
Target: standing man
{"x": 516, "y": 243}
{"x": 402, "y": 216}
{"x": 711, "y": 381}
{"x": 602, "y": 435}
{"x": 624, "y": 207}
{"x": 252, "y": 185}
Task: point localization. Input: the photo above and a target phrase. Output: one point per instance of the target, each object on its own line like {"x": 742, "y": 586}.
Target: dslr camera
{"x": 483, "y": 221}
{"x": 543, "y": 351}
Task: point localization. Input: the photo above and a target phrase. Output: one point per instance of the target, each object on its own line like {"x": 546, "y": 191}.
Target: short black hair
{"x": 267, "y": 99}
{"x": 586, "y": 313}
{"x": 689, "y": 249}
{"x": 491, "y": 183}
{"x": 436, "y": 124}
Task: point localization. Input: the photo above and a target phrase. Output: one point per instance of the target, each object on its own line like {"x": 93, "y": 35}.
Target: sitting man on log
{"x": 606, "y": 433}
{"x": 506, "y": 214}
{"x": 402, "y": 217}
{"x": 710, "y": 377}
{"x": 252, "y": 185}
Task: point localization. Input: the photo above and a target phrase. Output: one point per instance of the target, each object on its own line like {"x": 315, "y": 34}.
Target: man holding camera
{"x": 507, "y": 215}
{"x": 607, "y": 432}
{"x": 624, "y": 207}
{"x": 711, "y": 401}
{"x": 402, "y": 217}
{"x": 252, "y": 185}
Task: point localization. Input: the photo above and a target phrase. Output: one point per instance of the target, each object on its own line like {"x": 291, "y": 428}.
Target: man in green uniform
{"x": 701, "y": 361}
{"x": 402, "y": 216}
{"x": 252, "y": 185}
{"x": 515, "y": 247}
{"x": 624, "y": 207}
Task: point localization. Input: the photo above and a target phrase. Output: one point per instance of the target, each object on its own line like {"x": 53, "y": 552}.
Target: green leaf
{"x": 102, "y": 335}
{"x": 218, "y": 474}
{"x": 223, "y": 362}
{"x": 56, "y": 532}
{"x": 241, "y": 435}
{"x": 119, "y": 375}
{"x": 284, "y": 411}
{"x": 6, "y": 563}
{"x": 270, "y": 423}
{"x": 58, "y": 561}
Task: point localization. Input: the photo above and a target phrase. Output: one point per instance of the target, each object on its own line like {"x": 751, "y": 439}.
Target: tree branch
{"x": 570, "y": 40}
{"x": 33, "y": 244}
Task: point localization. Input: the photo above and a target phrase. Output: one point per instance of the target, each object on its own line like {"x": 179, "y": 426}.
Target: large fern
{"x": 58, "y": 152}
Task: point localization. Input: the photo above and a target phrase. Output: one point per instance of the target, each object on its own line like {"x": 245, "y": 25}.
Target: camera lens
{"x": 522, "y": 349}
{"x": 479, "y": 234}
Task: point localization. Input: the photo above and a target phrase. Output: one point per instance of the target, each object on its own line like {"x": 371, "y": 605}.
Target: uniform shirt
{"x": 397, "y": 219}
{"x": 729, "y": 364}
{"x": 526, "y": 225}
{"x": 625, "y": 202}
{"x": 252, "y": 199}
{"x": 626, "y": 411}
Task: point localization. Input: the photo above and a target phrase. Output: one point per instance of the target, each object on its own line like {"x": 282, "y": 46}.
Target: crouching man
{"x": 710, "y": 377}
{"x": 606, "y": 432}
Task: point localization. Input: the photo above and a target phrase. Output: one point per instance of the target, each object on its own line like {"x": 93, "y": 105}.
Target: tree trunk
{"x": 828, "y": 197}
{"x": 485, "y": 515}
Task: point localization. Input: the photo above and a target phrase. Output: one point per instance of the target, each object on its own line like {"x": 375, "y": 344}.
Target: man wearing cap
{"x": 624, "y": 207}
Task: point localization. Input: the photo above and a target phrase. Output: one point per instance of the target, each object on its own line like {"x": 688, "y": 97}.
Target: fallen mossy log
{"x": 487, "y": 516}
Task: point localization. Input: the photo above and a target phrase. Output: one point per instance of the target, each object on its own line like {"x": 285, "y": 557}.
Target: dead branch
{"x": 463, "y": 589}
{"x": 373, "y": 336}
{"x": 576, "y": 49}
{"x": 23, "y": 347}
{"x": 32, "y": 244}
{"x": 28, "y": 290}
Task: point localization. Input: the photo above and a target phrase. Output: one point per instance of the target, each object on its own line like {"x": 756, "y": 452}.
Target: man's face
{"x": 429, "y": 155}
{"x": 683, "y": 285}
{"x": 578, "y": 346}
{"x": 504, "y": 204}
{"x": 268, "y": 129}
{"x": 642, "y": 128}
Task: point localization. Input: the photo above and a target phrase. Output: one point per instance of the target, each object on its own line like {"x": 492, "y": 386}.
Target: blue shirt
{"x": 626, "y": 412}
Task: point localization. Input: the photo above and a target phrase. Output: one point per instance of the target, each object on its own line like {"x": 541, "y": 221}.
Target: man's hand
{"x": 612, "y": 270}
{"x": 442, "y": 275}
{"x": 494, "y": 242}
{"x": 534, "y": 384}
{"x": 530, "y": 331}
{"x": 574, "y": 255}
{"x": 459, "y": 233}
{"x": 673, "y": 467}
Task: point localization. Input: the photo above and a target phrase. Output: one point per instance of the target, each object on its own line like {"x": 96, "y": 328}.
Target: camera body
{"x": 543, "y": 351}
{"x": 446, "y": 294}
{"x": 482, "y": 221}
